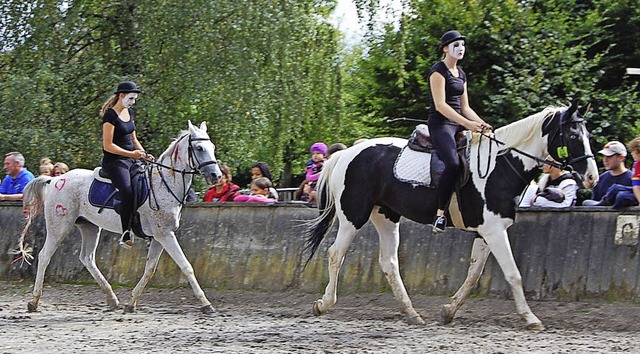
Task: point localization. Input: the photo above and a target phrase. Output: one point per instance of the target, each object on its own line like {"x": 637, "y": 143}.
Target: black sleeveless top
{"x": 122, "y": 133}
{"x": 454, "y": 88}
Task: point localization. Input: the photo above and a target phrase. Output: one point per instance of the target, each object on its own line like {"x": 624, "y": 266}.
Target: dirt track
{"x": 72, "y": 319}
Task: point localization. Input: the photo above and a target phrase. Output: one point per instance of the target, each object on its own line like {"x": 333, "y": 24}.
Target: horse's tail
{"x": 320, "y": 226}
{"x": 32, "y": 205}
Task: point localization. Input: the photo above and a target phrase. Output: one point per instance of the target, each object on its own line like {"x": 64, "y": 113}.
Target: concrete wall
{"x": 561, "y": 254}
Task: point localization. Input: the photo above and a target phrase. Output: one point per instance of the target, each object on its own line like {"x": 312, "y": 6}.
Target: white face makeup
{"x": 129, "y": 100}
{"x": 456, "y": 49}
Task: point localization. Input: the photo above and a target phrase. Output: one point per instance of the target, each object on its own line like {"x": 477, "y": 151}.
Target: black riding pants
{"x": 118, "y": 171}
{"x": 443, "y": 138}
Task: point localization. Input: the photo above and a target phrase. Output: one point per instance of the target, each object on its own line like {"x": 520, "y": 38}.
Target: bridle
{"x": 563, "y": 155}
{"x": 194, "y": 167}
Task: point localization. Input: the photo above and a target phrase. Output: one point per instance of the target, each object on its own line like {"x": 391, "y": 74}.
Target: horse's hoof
{"x": 316, "y": 308}
{"x": 208, "y": 310}
{"x": 536, "y": 327}
{"x": 416, "y": 320}
{"x": 445, "y": 315}
{"x": 129, "y": 309}
{"x": 113, "y": 305}
{"x": 31, "y": 307}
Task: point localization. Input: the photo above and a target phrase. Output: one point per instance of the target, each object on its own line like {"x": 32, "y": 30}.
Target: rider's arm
{"x": 466, "y": 109}
{"x": 108, "y": 130}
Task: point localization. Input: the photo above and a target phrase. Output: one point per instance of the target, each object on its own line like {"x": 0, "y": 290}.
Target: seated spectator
{"x": 259, "y": 192}
{"x": 302, "y": 193}
{"x": 16, "y": 179}
{"x": 261, "y": 169}
{"x": 314, "y": 166}
{"x": 224, "y": 190}
{"x": 46, "y": 167}
{"x": 614, "y": 154}
{"x": 556, "y": 188}
{"x": 620, "y": 196}
{"x": 60, "y": 168}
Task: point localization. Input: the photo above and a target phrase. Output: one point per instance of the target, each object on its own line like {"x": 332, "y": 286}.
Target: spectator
{"x": 16, "y": 179}
{"x": 261, "y": 169}
{"x": 46, "y": 167}
{"x": 556, "y": 188}
{"x": 259, "y": 192}
{"x": 614, "y": 154}
{"x": 60, "y": 168}
{"x": 314, "y": 166}
{"x": 224, "y": 190}
{"x": 334, "y": 148}
{"x": 620, "y": 196}
{"x": 302, "y": 193}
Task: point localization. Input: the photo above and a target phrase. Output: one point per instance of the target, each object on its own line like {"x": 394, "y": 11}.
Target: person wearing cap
{"x": 556, "y": 187}
{"x": 314, "y": 166}
{"x": 613, "y": 154}
{"x": 449, "y": 113}
{"x": 121, "y": 149}
{"x": 619, "y": 196}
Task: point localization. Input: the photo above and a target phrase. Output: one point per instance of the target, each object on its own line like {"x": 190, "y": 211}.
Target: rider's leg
{"x": 120, "y": 177}
{"x": 443, "y": 137}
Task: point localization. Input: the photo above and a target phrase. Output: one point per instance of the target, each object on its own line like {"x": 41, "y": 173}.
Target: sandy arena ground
{"x": 73, "y": 319}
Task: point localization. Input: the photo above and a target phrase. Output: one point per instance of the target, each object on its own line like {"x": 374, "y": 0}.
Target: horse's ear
{"x": 190, "y": 125}
{"x": 584, "y": 109}
{"x": 572, "y": 109}
{"x": 203, "y": 126}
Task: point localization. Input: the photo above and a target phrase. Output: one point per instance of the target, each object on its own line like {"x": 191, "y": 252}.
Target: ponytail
{"x": 108, "y": 104}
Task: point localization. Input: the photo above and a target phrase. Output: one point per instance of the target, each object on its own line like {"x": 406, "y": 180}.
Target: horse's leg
{"x": 497, "y": 239}
{"x": 168, "y": 240}
{"x": 153, "y": 257}
{"x": 389, "y": 234}
{"x": 479, "y": 255}
{"x": 90, "y": 238}
{"x": 335, "y": 255}
{"x": 56, "y": 233}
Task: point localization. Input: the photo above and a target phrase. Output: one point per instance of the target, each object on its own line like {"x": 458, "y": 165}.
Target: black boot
{"x": 439, "y": 224}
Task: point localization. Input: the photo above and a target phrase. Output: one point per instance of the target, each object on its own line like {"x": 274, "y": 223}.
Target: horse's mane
{"x": 170, "y": 149}
{"x": 512, "y": 134}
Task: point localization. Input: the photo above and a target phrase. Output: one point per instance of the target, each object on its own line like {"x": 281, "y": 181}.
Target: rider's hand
{"x": 149, "y": 157}
{"x": 138, "y": 154}
{"x": 474, "y": 126}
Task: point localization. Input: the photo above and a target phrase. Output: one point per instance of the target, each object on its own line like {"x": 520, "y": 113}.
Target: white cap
{"x": 614, "y": 147}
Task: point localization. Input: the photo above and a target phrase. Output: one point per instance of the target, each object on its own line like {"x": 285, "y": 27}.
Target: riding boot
{"x": 136, "y": 226}
{"x": 439, "y": 224}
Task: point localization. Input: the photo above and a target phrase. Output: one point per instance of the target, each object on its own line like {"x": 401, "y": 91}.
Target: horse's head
{"x": 568, "y": 141}
{"x": 202, "y": 153}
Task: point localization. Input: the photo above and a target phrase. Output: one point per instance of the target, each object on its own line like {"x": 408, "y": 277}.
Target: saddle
{"x": 418, "y": 163}
{"x": 103, "y": 194}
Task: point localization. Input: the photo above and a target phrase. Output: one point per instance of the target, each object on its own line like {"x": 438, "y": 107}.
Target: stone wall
{"x": 564, "y": 254}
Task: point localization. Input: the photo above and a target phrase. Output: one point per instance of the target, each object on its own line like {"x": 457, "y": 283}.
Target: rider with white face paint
{"x": 121, "y": 149}
{"x": 449, "y": 113}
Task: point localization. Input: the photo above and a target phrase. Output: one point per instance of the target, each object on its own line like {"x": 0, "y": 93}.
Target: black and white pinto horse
{"x": 64, "y": 201}
{"x": 358, "y": 184}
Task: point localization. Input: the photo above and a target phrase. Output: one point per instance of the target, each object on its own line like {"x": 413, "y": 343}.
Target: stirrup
{"x": 126, "y": 243}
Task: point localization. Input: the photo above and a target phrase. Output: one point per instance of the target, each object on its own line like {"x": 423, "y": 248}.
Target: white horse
{"x": 358, "y": 184}
{"x": 64, "y": 200}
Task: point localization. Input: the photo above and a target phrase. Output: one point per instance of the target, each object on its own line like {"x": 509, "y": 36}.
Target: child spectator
{"x": 261, "y": 169}
{"x": 259, "y": 192}
{"x": 46, "y": 167}
{"x": 224, "y": 190}
{"x": 315, "y": 164}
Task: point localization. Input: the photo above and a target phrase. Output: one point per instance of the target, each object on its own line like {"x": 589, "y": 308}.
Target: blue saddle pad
{"x": 102, "y": 195}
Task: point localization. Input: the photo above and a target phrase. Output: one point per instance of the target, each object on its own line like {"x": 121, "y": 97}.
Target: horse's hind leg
{"x": 153, "y": 257}
{"x": 170, "y": 244}
{"x": 90, "y": 238}
{"x": 498, "y": 242}
{"x": 479, "y": 255}
{"x": 335, "y": 255}
{"x": 56, "y": 233}
{"x": 389, "y": 233}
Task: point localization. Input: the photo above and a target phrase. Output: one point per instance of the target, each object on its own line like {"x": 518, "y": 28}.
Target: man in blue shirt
{"x": 16, "y": 179}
